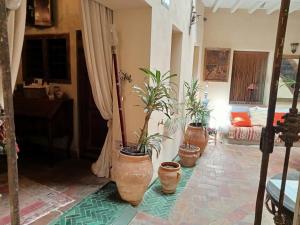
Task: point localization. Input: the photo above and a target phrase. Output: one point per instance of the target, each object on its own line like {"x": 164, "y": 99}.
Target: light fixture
{"x": 166, "y": 3}
{"x": 294, "y": 47}
{"x": 194, "y": 17}
{"x": 252, "y": 87}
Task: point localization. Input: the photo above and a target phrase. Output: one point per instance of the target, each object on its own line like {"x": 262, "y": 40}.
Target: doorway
{"x": 92, "y": 126}
{"x": 176, "y": 52}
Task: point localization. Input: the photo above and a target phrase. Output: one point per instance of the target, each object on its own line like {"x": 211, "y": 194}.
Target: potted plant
{"x": 187, "y": 153}
{"x": 198, "y": 114}
{"x": 134, "y": 169}
{"x": 169, "y": 174}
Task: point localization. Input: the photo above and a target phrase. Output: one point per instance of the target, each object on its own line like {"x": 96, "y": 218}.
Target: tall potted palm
{"x": 198, "y": 114}
{"x": 134, "y": 169}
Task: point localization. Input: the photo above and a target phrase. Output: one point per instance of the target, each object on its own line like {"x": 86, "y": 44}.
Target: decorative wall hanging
{"x": 40, "y": 13}
{"x": 216, "y": 64}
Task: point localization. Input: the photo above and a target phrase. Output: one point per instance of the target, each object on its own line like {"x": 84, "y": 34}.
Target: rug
{"x": 106, "y": 208}
{"x": 36, "y": 200}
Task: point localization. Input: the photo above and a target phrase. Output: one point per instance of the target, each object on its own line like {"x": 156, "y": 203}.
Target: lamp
{"x": 251, "y": 88}
{"x": 194, "y": 17}
{"x": 294, "y": 47}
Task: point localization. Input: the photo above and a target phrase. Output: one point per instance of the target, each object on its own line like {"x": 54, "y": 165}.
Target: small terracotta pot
{"x": 133, "y": 175}
{"x": 198, "y": 136}
{"x": 188, "y": 156}
{"x": 169, "y": 174}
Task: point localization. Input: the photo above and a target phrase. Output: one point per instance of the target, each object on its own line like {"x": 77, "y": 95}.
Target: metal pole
{"x": 9, "y": 113}
{"x": 267, "y": 142}
{"x": 287, "y": 136}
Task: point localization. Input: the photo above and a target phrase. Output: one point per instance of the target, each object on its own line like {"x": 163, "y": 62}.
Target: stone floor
{"x": 222, "y": 189}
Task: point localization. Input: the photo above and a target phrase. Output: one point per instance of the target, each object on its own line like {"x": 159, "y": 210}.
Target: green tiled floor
{"x": 101, "y": 208}
{"x": 105, "y": 207}
{"x": 160, "y": 205}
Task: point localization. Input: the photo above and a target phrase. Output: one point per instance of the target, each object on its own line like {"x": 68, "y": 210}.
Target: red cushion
{"x": 278, "y": 117}
{"x": 240, "y": 119}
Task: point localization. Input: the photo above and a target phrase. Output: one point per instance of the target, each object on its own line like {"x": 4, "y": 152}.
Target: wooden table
{"x": 290, "y": 197}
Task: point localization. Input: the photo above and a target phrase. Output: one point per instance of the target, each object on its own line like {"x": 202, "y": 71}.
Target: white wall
{"x": 134, "y": 37}
{"x": 145, "y": 35}
{"x": 243, "y": 31}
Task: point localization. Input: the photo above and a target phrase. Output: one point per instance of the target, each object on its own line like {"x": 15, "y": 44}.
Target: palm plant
{"x": 156, "y": 96}
{"x": 196, "y": 110}
{"x": 287, "y": 81}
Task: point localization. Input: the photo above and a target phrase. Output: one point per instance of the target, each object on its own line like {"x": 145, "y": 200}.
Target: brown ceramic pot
{"x": 198, "y": 136}
{"x": 169, "y": 174}
{"x": 133, "y": 175}
{"x": 188, "y": 155}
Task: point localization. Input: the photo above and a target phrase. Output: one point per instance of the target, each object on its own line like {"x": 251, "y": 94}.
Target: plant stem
{"x": 144, "y": 131}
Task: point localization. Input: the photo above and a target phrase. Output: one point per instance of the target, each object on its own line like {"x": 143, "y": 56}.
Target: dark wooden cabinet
{"x": 43, "y": 119}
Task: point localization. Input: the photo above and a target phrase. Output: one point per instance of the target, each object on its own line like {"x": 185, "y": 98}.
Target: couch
{"x": 249, "y": 132}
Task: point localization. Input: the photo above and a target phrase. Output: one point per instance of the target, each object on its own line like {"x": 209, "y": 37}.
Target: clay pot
{"x": 188, "y": 155}
{"x": 198, "y": 136}
{"x": 133, "y": 175}
{"x": 169, "y": 174}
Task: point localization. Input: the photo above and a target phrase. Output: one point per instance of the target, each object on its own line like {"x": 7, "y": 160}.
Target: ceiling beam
{"x": 236, "y": 6}
{"x": 294, "y": 8}
{"x": 255, "y": 6}
{"x": 217, "y": 5}
{"x": 273, "y": 8}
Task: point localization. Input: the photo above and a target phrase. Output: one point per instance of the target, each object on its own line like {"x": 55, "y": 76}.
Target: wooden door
{"x": 249, "y": 71}
{"x": 92, "y": 127}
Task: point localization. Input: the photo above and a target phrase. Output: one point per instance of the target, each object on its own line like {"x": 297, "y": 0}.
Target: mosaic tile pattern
{"x": 160, "y": 205}
{"x": 220, "y": 190}
{"x": 105, "y": 206}
{"x": 100, "y": 208}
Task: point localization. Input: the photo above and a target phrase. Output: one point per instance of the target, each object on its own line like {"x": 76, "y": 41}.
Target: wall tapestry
{"x": 216, "y": 64}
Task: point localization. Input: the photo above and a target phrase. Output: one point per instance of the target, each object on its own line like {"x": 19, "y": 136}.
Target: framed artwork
{"x": 288, "y": 74}
{"x": 216, "y": 64}
{"x": 40, "y": 13}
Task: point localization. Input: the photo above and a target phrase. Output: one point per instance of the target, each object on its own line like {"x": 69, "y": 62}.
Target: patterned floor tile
{"x": 156, "y": 203}
{"x": 100, "y": 208}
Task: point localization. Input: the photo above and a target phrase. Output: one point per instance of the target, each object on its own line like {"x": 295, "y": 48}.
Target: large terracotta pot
{"x": 133, "y": 174}
{"x": 169, "y": 174}
{"x": 198, "y": 136}
{"x": 188, "y": 155}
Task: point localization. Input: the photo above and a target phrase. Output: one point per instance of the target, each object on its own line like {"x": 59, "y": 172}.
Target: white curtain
{"x": 97, "y": 40}
{"x": 16, "y": 30}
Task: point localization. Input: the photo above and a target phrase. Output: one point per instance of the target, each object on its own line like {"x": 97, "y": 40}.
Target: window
{"x": 248, "y": 77}
{"x": 46, "y": 57}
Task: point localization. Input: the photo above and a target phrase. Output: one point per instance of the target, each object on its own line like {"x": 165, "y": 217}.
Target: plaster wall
{"x": 243, "y": 31}
{"x": 145, "y": 36}
{"x": 134, "y": 42}
{"x": 163, "y": 21}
